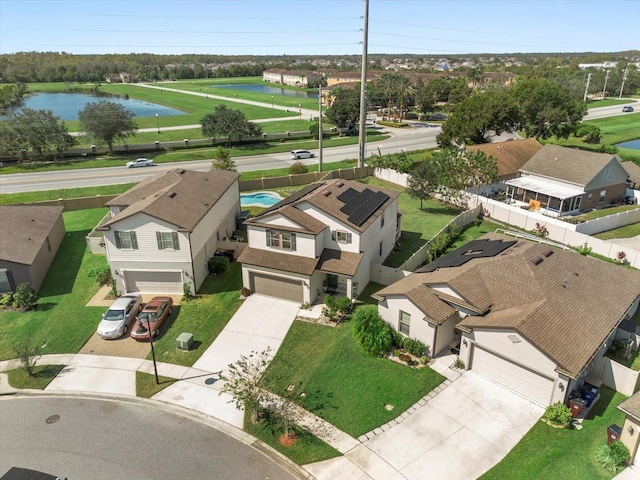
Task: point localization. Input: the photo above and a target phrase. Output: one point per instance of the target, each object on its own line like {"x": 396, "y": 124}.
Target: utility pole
{"x": 586, "y": 90}
{"x": 320, "y": 129}
{"x": 363, "y": 88}
{"x": 624, "y": 79}
{"x": 604, "y": 90}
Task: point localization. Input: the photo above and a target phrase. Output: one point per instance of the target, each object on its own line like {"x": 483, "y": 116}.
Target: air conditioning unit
{"x": 184, "y": 341}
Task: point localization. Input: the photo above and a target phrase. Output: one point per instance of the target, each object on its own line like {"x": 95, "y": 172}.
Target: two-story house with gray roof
{"x": 323, "y": 236}
{"x": 162, "y": 232}
{"x": 560, "y": 181}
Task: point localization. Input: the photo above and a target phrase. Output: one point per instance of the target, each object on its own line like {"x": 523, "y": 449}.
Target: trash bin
{"x": 613, "y": 433}
{"x": 589, "y": 393}
{"x": 577, "y": 405}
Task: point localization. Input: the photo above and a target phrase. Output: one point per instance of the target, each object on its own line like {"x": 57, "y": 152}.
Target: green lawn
{"x": 146, "y": 385}
{"x": 627, "y": 231}
{"x": 61, "y": 323}
{"x": 342, "y": 384}
{"x": 549, "y": 453}
{"x": 44, "y": 195}
{"x": 606, "y": 103}
{"x": 204, "y": 317}
{"x": 603, "y": 212}
{"x": 42, "y": 376}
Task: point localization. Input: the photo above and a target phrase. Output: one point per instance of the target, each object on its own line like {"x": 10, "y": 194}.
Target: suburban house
{"x": 161, "y": 233}
{"x": 293, "y": 78}
{"x": 528, "y": 316}
{"x": 273, "y": 75}
{"x": 631, "y": 428}
{"x": 510, "y": 156}
{"x": 561, "y": 180}
{"x": 29, "y": 239}
{"x": 323, "y": 236}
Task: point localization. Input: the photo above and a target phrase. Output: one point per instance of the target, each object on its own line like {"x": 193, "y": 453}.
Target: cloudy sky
{"x": 318, "y": 27}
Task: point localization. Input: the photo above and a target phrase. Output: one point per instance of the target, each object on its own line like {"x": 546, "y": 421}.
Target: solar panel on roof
{"x": 348, "y": 195}
{"x": 357, "y": 202}
{"x": 368, "y": 208}
{"x": 474, "y": 249}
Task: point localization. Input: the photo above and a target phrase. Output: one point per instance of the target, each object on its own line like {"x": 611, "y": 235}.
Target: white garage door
{"x": 278, "y": 287}
{"x": 153, "y": 282}
{"x": 527, "y": 383}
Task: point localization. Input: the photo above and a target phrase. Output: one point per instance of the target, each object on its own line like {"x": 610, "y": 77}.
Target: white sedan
{"x": 140, "y": 162}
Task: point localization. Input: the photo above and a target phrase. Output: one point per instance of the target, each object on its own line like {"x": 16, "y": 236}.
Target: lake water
{"x": 67, "y": 105}
{"x": 633, "y": 144}
{"x": 259, "y": 88}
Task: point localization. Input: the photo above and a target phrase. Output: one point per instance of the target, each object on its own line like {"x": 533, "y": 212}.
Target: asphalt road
{"x": 403, "y": 139}
{"x": 611, "y": 111}
{"x": 98, "y": 439}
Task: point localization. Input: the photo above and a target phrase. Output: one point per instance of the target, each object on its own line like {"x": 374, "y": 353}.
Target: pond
{"x": 259, "y": 88}
{"x": 259, "y": 199}
{"x": 633, "y": 144}
{"x": 67, "y": 105}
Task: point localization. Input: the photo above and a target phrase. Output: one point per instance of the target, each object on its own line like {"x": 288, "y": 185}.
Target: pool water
{"x": 259, "y": 199}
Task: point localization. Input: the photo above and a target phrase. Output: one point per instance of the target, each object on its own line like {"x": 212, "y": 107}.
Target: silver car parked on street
{"x": 120, "y": 316}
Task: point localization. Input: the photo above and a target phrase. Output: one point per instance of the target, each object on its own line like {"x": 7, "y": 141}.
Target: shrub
{"x": 222, "y": 160}
{"x": 589, "y": 133}
{"x": 102, "y": 275}
{"x": 217, "y": 265}
{"x": 186, "y": 292}
{"x": 297, "y": 168}
{"x": 558, "y": 414}
{"x": 613, "y": 457}
{"x": 245, "y": 292}
{"x": 584, "y": 249}
{"x": 25, "y": 297}
{"x": 541, "y": 230}
{"x": 415, "y": 347}
{"x": 6, "y": 299}
{"x": 370, "y": 331}
{"x": 334, "y": 307}
{"x": 396, "y": 338}
{"x": 27, "y": 353}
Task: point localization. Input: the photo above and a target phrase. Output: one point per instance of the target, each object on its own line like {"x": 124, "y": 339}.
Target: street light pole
{"x": 158, "y": 122}
{"x": 153, "y": 352}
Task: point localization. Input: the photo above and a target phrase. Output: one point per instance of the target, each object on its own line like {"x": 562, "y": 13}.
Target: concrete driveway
{"x": 459, "y": 434}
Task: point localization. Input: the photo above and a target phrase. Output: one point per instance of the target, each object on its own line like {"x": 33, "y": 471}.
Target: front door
{"x": 332, "y": 283}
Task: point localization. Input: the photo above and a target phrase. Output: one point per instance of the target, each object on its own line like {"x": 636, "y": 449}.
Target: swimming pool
{"x": 259, "y": 199}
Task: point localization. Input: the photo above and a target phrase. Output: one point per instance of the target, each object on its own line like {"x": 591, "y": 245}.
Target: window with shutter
{"x": 167, "y": 240}
{"x": 126, "y": 240}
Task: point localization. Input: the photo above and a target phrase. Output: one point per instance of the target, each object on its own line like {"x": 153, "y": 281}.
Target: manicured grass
{"x": 307, "y": 449}
{"x": 606, "y": 103}
{"x": 604, "y": 212}
{"x": 146, "y": 386}
{"x": 471, "y": 232}
{"x": 61, "y": 322}
{"x": 204, "y": 317}
{"x": 418, "y": 226}
{"x": 342, "y": 384}
{"x": 44, "y": 195}
{"x": 42, "y": 376}
{"x": 546, "y": 452}
{"x": 627, "y": 231}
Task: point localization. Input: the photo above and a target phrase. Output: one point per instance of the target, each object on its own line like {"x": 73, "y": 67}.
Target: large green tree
{"x": 345, "y": 111}
{"x": 35, "y": 130}
{"x": 479, "y": 117}
{"x": 226, "y": 122}
{"x": 423, "y": 181}
{"x": 107, "y": 122}
{"x": 547, "y": 108}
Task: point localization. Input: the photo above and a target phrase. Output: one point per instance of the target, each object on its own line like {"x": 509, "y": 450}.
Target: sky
{"x": 318, "y": 27}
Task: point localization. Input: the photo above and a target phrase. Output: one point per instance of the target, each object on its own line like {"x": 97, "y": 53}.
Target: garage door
{"x": 527, "y": 383}
{"x": 153, "y": 282}
{"x": 278, "y": 287}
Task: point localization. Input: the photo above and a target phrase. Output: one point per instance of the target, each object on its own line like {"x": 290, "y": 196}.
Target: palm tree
{"x": 387, "y": 85}
{"x": 404, "y": 91}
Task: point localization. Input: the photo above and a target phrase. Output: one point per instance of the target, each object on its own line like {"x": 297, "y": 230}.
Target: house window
{"x": 380, "y": 253}
{"x": 603, "y": 194}
{"x": 382, "y": 219}
{"x": 405, "y": 322}
{"x": 126, "y": 240}
{"x": 341, "y": 236}
{"x": 5, "y": 283}
{"x": 168, "y": 241}
{"x": 590, "y": 197}
{"x": 47, "y": 243}
{"x": 607, "y": 173}
{"x": 281, "y": 240}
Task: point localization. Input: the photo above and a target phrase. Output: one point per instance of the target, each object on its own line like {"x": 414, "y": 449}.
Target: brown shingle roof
{"x": 631, "y": 406}
{"x": 568, "y": 164}
{"x": 566, "y": 305}
{"x": 307, "y": 223}
{"x": 278, "y": 261}
{"x": 339, "y": 262}
{"x": 179, "y": 197}
{"x": 511, "y": 156}
{"x": 23, "y": 230}
{"x": 633, "y": 170}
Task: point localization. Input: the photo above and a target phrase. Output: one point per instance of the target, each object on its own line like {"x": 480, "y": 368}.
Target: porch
{"x": 549, "y": 198}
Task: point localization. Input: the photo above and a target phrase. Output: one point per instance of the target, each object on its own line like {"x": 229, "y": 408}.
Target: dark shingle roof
{"x": 23, "y": 230}
{"x": 566, "y": 304}
{"x": 179, "y": 197}
{"x": 567, "y": 164}
{"x": 339, "y": 262}
{"x": 278, "y": 261}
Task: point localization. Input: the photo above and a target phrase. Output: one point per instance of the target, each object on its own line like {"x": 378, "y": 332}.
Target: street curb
{"x": 291, "y": 467}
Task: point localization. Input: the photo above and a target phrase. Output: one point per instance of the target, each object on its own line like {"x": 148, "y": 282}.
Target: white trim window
{"x": 126, "y": 240}
{"x": 404, "y": 323}
{"x": 168, "y": 241}
{"x": 341, "y": 236}
{"x": 281, "y": 240}
{"x": 603, "y": 195}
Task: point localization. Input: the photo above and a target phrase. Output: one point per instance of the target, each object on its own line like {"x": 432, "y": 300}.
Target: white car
{"x": 120, "y": 316}
{"x": 140, "y": 162}
{"x": 298, "y": 154}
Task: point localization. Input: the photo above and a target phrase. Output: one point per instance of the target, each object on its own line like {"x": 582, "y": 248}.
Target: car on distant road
{"x": 121, "y": 314}
{"x": 298, "y": 154}
{"x": 627, "y": 108}
{"x": 140, "y": 162}
{"x": 150, "y": 319}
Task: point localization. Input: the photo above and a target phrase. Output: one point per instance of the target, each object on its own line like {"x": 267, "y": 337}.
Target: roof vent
{"x": 547, "y": 253}
{"x": 326, "y": 193}
{"x": 340, "y": 184}
{"x": 536, "y": 261}
{"x": 171, "y": 194}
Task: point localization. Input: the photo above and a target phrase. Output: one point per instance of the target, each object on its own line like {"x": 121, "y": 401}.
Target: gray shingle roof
{"x": 567, "y": 164}
{"x": 278, "y": 261}
{"x": 23, "y": 230}
{"x": 179, "y": 197}
{"x": 339, "y": 262}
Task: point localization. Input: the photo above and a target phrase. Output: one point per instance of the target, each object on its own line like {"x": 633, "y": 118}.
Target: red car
{"x": 152, "y": 316}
